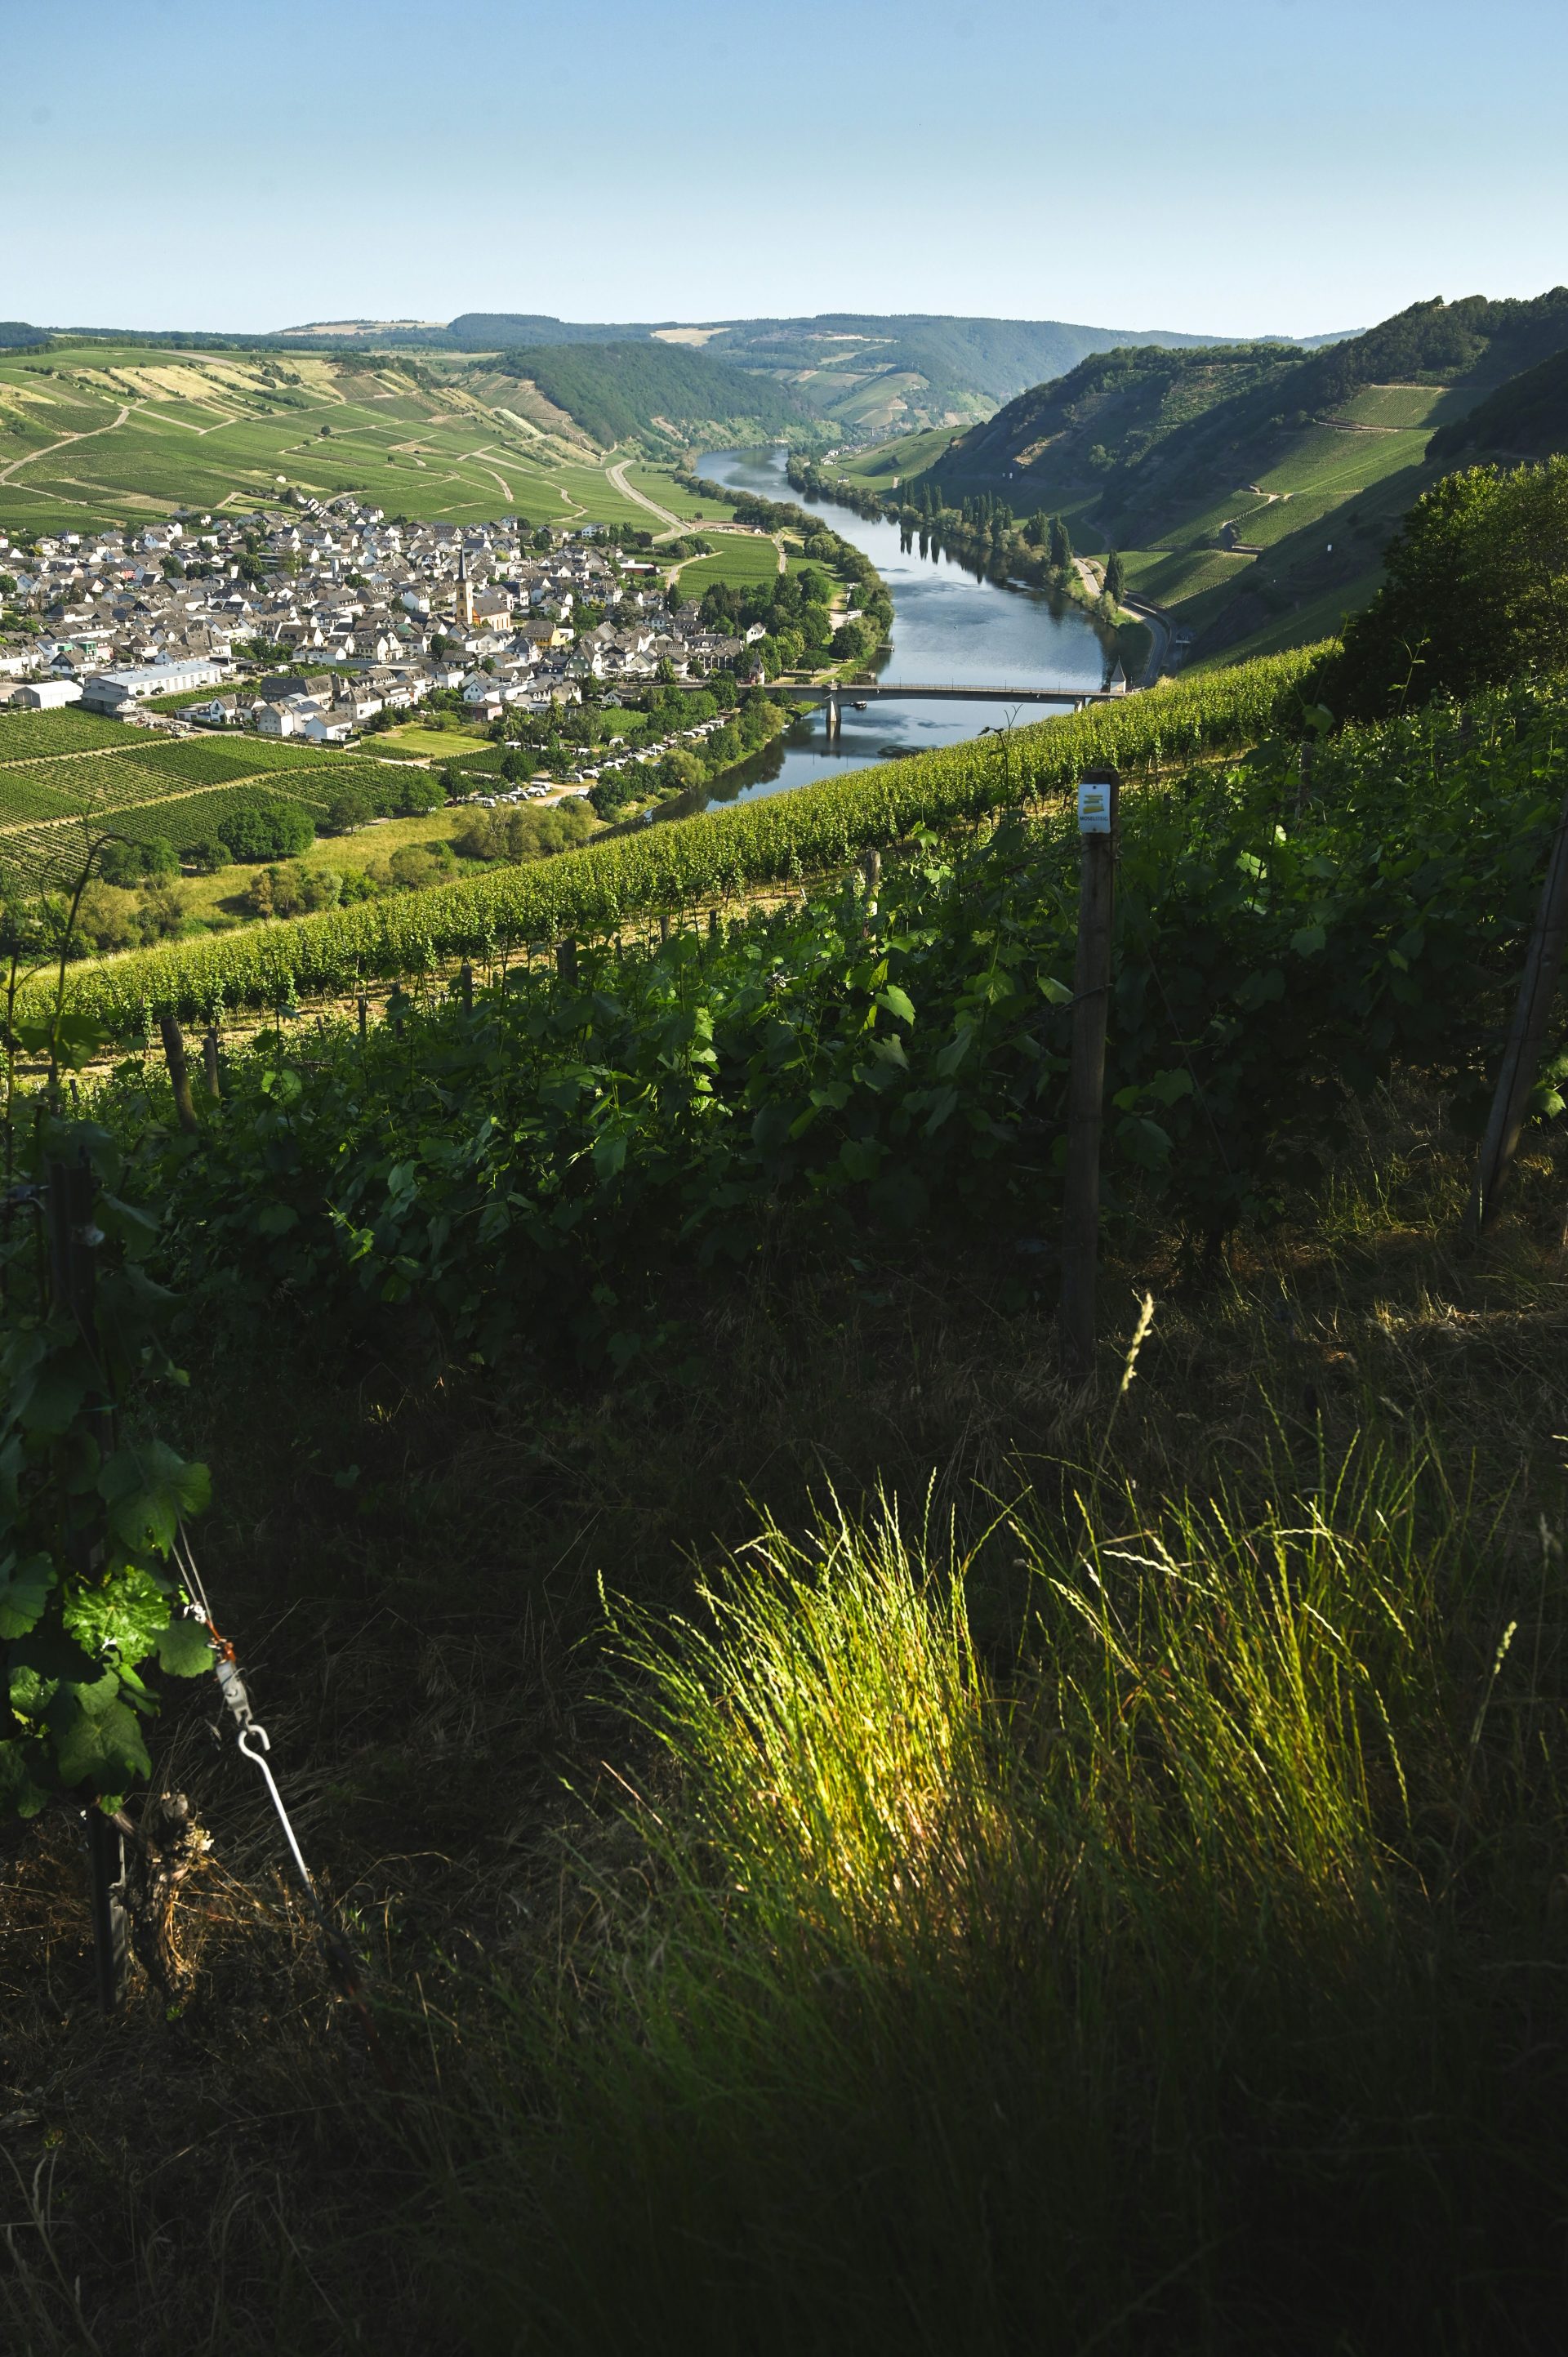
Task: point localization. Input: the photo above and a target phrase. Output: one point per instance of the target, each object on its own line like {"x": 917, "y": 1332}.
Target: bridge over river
{"x": 860, "y": 694}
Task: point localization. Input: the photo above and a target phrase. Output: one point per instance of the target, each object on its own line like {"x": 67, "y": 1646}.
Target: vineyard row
{"x": 589, "y": 895}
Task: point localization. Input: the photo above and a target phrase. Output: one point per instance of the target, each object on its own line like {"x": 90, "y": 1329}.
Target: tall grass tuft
{"x": 1176, "y": 1977}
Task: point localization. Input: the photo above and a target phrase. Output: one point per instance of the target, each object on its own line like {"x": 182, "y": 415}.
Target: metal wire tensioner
{"x": 254, "y": 1743}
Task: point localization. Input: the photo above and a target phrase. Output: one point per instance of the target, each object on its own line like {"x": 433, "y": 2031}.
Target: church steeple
{"x": 464, "y": 590}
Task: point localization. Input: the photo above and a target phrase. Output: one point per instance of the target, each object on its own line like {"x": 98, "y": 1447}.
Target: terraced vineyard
{"x": 101, "y": 434}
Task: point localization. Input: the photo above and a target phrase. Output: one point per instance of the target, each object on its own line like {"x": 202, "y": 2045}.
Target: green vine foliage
{"x": 592, "y": 893}
{"x": 535, "y": 1172}
{"x": 90, "y": 1498}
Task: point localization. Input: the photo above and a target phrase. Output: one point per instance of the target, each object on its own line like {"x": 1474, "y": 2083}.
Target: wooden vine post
{"x": 466, "y": 980}
{"x": 72, "y": 1274}
{"x": 178, "y": 1070}
{"x": 1526, "y": 1033}
{"x": 209, "y": 1061}
{"x": 1098, "y": 797}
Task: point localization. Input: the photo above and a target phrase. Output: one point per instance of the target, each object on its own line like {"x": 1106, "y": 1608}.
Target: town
{"x": 320, "y": 619}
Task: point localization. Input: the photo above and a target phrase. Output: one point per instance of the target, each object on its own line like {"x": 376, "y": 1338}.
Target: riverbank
{"x": 985, "y": 536}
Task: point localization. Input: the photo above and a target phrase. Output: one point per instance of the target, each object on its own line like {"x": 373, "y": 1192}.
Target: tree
{"x": 680, "y": 771}
{"x": 1475, "y": 591}
{"x": 1062, "y": 544}
{"x": 349, "y": 807}
{"x": 121, "y": 862}
{"x": 268, "y": 828}
{"x": 1115, "y": 577}
{"x": 419, "y": 792}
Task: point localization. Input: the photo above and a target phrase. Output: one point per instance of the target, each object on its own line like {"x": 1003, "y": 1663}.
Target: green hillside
{"x": 98, "y": 433}
{"x": 1252, "y": 489}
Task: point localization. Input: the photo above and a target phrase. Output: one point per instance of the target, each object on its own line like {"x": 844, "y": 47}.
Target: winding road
{"x": 676, "y": 524}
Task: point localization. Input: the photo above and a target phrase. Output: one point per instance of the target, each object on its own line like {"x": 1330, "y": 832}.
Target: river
{"x": 948, "y": 626}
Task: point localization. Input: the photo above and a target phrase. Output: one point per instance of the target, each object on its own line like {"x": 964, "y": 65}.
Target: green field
{"x": 659, "y": 484}
{"x": 441, "y": 743}
{"x": 740, "y": 562}
{"x": 1169, "y": 577}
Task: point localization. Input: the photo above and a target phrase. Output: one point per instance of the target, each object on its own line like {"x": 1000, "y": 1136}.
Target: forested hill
{"x": 499, "y": 331}
{"x": 1252, "y": 489}
{"x": 1087, "y": 431}
{"x": 627, "y": 392}
{"x": 1148, "y": 432}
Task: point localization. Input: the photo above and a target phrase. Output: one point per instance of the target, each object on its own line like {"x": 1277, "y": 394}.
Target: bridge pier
{"x": 835, "y": 719}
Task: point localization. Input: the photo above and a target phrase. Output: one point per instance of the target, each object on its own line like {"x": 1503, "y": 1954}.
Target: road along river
{"x": 949, "y": 627}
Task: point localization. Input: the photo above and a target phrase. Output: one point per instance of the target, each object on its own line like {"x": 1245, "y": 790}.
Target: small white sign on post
{"x": 1095, "y": 806}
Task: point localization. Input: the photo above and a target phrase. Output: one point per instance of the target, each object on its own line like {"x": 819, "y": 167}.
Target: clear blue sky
{"x": 1229, "y": 166}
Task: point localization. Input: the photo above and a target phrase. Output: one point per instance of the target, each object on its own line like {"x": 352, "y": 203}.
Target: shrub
{"x": 293, "y": 890}
{"x": 268, "y": 828}
{"x": 417, "y": 865}
{"x": 521, "y": 834}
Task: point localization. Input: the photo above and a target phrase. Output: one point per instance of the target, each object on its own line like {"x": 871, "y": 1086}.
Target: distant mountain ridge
{"x": 864, "y": 372}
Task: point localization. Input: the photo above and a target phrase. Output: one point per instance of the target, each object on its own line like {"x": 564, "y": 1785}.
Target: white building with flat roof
{"x": 112, "y": 691}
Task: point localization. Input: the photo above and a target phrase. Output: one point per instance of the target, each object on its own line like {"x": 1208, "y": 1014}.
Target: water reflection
{"x": 950, "y": 627}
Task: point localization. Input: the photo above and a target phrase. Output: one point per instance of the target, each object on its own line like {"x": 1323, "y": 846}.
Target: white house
{"x": 333, "y": 726}
{"x": 46, "y": 695}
